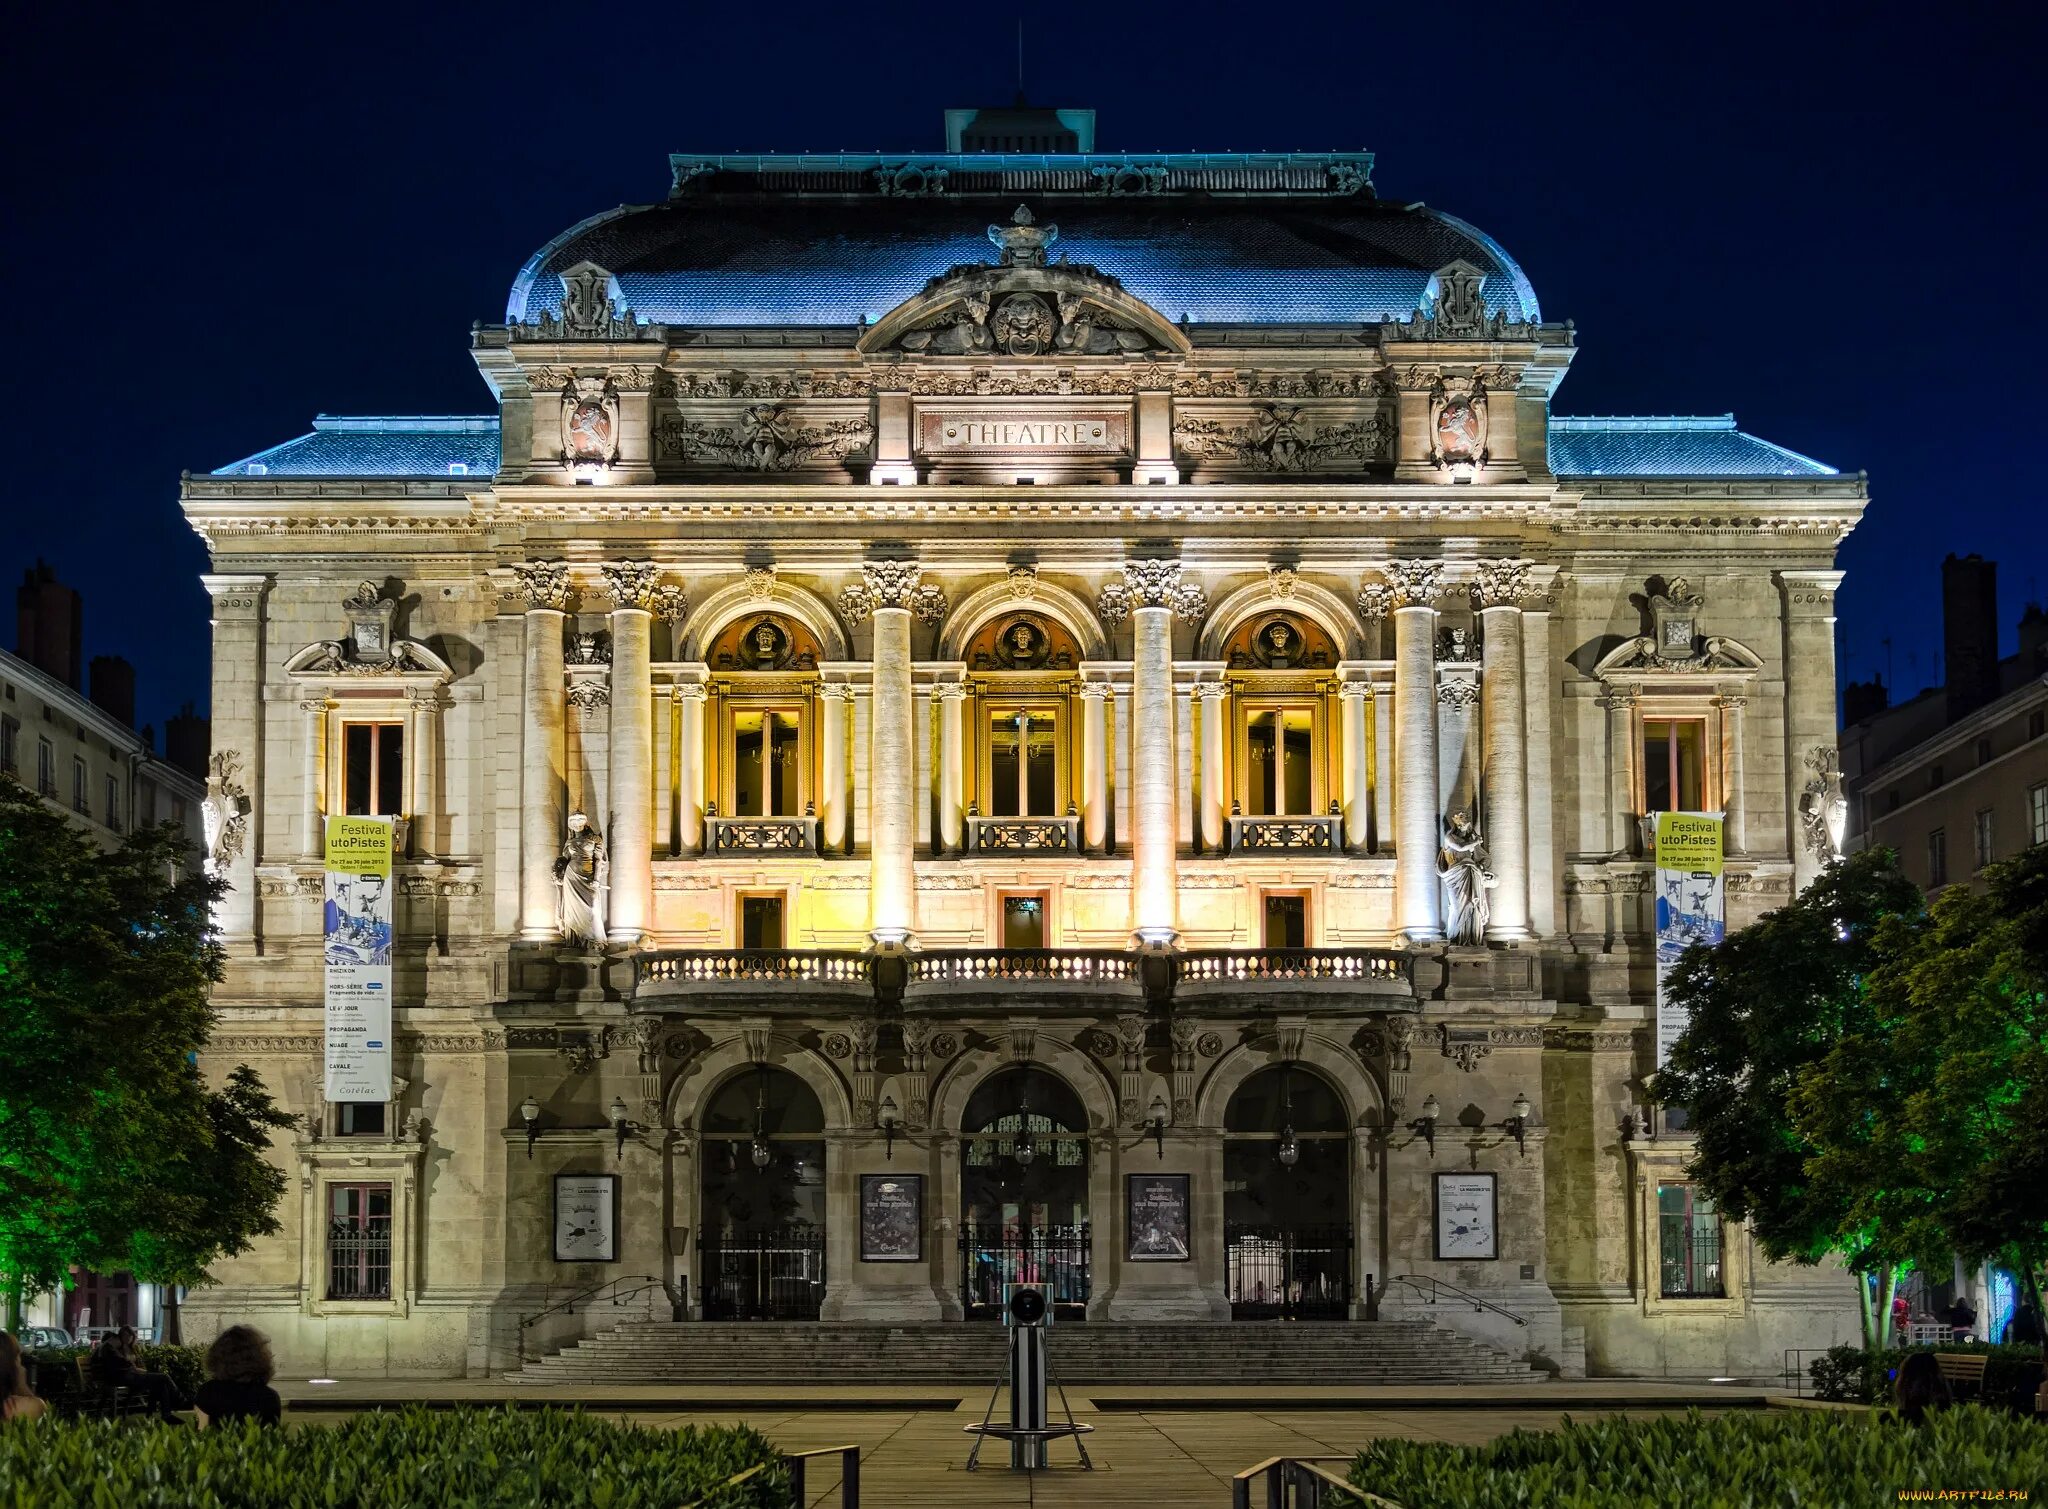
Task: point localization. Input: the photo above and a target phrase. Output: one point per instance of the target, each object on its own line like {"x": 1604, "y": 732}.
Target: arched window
{"x": 1022, "y": 678}
{"x": 761, "y": 1199}
{"x": 1024, "y": 1191}
{"x": 1287, "y": 1197}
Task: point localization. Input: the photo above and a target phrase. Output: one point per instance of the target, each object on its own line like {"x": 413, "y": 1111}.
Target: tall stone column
{"x": 689, "y": 693}
{"x": 1214, "y": 699}
{"x": 423, "y": 709}
{"x": 1150, "y": 594}
{"x": 1735, "y": 766}
{"x": 1418, "y": 825}
{"x": 1537, "y": 691}
{"x": 1354, "y": 693}
{"x": 837, "y": 700}
{"x": 1809, "y": 609}
{"x": 889, "y": 593}
{"x": 949, "y": 698}
{"x": 630, "y": 750}
{"x": 544, "y": 753}
{"x": 1094, "y": 764}
{"x": 312, "y": 735}
{"x": 1497, "y": 593}
{"x": 1620, "y": 702}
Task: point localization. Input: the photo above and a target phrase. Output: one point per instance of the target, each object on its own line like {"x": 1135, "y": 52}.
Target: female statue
{"x": 1462, "y": 865}
{"x": 584, "y": 873}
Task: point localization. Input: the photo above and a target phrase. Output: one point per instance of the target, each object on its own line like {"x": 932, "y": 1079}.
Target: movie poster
{"x": 1156, "y": 1218}
{"x": 358, "y": 958}
{"x": 1690, "y": 904}
{"x": 891, "y": 1218}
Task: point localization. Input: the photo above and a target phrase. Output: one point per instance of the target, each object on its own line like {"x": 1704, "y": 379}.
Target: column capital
{"x": 892, "y": 584}
{"x": 1158, "y": 583}
{"x": 1354, "y": 691}
{"x": 831, "y": 691}
{"x": 1810, "y": 590}
{"x": 1499, "y": 584}
{"x": 946, "y": 691}
{"x": 630, "y": 584}
{"x": 1210, "y": 691}
{"x": 315, "y": 704}
{"x": 544, "y": 585}
{"x": 1411, "y": 584}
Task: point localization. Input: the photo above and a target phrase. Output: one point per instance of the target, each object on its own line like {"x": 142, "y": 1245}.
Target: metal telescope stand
{"x": 1030, "y": 1426}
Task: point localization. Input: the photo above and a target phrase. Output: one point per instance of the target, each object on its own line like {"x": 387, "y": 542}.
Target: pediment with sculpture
{"x": 1025, "y": 305}
{"x": 372, "y": 647}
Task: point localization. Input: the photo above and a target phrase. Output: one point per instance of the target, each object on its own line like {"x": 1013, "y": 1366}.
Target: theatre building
{"x": 1011, "y": 715}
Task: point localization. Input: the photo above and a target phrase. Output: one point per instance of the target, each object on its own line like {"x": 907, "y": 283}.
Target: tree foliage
{"x": 114, "y": 1153}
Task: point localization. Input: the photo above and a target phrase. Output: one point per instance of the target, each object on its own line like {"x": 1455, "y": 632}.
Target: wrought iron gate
{"x": 1283, "y": 1273}
{"x": 762, "y": 1275}
{"x": 992, "y": 1257}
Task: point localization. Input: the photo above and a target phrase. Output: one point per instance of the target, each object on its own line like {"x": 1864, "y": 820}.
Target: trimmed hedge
{"x": 1851, "y": 1375}
{"x": 58, "y": 1368}
{"x": 1810, "y": 1457}
{"x": 410, "y": 1459}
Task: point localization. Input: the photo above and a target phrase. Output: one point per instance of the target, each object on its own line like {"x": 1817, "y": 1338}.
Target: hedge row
{"x": 411, "y": 1459}
{"x": 1806, "y": 1457}
{"x": 1851, "y": 1375}
{"x": 58, "y": 1368}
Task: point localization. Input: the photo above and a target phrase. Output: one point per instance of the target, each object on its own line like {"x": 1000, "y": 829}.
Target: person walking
{"x": 238, "y": 1374}
{"x": 17, "y": 1400}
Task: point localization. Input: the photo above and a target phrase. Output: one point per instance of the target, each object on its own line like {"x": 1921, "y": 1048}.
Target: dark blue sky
{"x": 220, "y": 220}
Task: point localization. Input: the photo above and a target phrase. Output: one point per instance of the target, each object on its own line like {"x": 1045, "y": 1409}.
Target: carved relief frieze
{"x": 763, "y": 437}
{"x": 1278, "y": 437}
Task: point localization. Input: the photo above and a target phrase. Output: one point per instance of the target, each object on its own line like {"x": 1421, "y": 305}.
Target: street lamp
{"x": 886, "y": 1114}
{"x": 529, "y": 1112}
{"x": 1424, "y": 1126}
{"x": 1157, "y": 1125}
{"x": 1290, "y": 1149}
{"x": 1517, "y": 1124}
{"x": 620, "y": 1125}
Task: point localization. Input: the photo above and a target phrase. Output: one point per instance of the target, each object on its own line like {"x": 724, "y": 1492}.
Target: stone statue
{"x": 1823, "y": 808}
{"x": 1461, "y": 864}
{"x": 584, "y": 873}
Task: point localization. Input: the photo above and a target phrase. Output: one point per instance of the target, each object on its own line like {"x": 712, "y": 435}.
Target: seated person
{"x": 113, "y": 1366}
{"x": 1920, "y": 1389}
{"x": 17, "y": 1399}
{"x": 238, "y": 1373}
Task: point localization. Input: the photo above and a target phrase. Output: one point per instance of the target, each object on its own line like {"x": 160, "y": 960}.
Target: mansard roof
{"x": 1212, "y": 238}
{"x": 1707, "y": 446}
{"x": 425, "y": 445}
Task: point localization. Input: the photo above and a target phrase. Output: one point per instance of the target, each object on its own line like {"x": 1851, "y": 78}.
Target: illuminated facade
{"x": 1040, "y": 637}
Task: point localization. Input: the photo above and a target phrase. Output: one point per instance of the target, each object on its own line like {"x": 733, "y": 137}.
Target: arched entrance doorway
{"x": 1287, "y": 1198}
{"x": 1024, "y": 1192}
{"x": 761, "y": 1199}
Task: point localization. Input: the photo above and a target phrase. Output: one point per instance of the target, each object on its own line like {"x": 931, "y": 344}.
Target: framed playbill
{"x": 586, "y": 1218}
{"x": 1156, "y": 1218}
{"x": 892, "y": 1218}
{"x": 1467, "y": 1217}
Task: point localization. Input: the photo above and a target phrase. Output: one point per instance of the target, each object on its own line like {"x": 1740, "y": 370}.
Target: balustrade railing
{"x": 1222, "y": 966}
{"x": 1075, "y": 965}
{"x": 767, "y": 965}
{"x": 761, "y": 835}
{"x": 1024, "y": 835}
{"x": 1314, "y": 834}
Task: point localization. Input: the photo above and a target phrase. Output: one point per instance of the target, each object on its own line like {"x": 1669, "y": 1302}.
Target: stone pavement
{"x": 1161, "y": 1446}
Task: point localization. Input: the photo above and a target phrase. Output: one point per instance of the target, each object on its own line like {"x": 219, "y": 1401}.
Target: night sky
{"x": 219, "y": 221}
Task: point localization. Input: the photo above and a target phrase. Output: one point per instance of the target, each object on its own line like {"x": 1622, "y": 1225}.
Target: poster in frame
{"x": 1156, "y": 1218}
{"x": 586, "y": 1218}
{"x": 892, "y": 1218}
{"x": 1467, "y": 1217}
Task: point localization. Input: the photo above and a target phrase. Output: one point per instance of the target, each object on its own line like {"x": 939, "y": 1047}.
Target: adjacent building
{"x": 1957, "y": 777}
{"x": 1020, "y": 713}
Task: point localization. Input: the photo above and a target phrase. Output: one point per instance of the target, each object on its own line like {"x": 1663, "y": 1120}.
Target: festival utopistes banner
{"x": 357, "y": 918}
{"x": 1691, "y": 907}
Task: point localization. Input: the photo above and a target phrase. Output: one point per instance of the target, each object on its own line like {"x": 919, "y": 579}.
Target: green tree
{"x": 114, "y": 1153}
{"x": 1767, "y": 1004}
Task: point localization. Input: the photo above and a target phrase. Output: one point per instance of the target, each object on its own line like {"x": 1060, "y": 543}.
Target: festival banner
{"x": 357, "y": 919}
{"x": 1690, "y": 904}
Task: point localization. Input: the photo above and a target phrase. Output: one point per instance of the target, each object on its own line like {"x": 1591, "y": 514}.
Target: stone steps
{"x": 710, "y": 1352}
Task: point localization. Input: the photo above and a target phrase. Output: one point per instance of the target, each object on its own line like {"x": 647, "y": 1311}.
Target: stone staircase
{"x": 974, "y": 1354}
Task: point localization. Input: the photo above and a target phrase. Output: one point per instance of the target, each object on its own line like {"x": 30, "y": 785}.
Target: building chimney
{"x": 49, "y": 626}
{"x": 2033, "y": 640}
{"x": 113, "y": 687}
{"x": 1864, "y": 700}
{"x": 1969, "y": 632}
{"x": 187, "y": 737}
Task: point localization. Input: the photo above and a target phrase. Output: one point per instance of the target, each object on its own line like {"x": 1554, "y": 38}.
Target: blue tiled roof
{"x": 792, "y": 260}
{"x": 1683, "y": 447}
{"x": 380, "y": 446}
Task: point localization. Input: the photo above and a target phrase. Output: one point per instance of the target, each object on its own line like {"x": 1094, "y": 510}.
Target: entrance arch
{"x": 1024, "y": 1191}
{"x": 761, "y": 1198}
{"x": 1287, "y": 1234}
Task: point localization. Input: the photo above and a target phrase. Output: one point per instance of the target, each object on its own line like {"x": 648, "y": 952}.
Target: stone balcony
{"x": 761, "y": 835}
{"x": 1239, "y": 975}
{"x": 750, "y": 976}
{"x": 1035, "y": 977}
{"x": 1267, "y": 835}
{"x": 1024, "y": 835}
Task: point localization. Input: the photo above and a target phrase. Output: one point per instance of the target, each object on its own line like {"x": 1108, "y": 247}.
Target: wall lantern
{"x": 1424, "y": 1126}
{"x": 889, "y": 1122}
{"x": 1157, "y": 1125}
{"x": 1517, "y": 1124}
{"x": 621, "y": 1126}
{"x": 1290, "y": 1148}
{"x": 529, "y": 1112}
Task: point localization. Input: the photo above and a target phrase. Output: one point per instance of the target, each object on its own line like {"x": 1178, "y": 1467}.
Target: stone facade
{"x": 1023, "y": 677}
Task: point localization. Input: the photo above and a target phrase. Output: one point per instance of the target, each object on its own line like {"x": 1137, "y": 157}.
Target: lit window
{"x": 1985, "y": 850}
{"x": 1280, "y": 755}
{"x": 256, "y": 469}
{"x": 2037, "y": 813}
{"x": 764, "y": 768}
{"x": 1689, "y": 1244}
{"x": 458, "y": 469}
{"x": 1286, "y": 921}
{"x": 1674, "y": 764}
{"x": 359, "y": 1241}
{"x": 1023, "y": 763}
{"x": 373, "y": 769}
{"x": 1937, "y": 857}
{"x": 1024, "y": 921}
{"x": 761, "y": 922}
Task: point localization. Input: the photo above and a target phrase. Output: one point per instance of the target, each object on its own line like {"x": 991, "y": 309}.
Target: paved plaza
{"x": 1154, "y": 1446}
